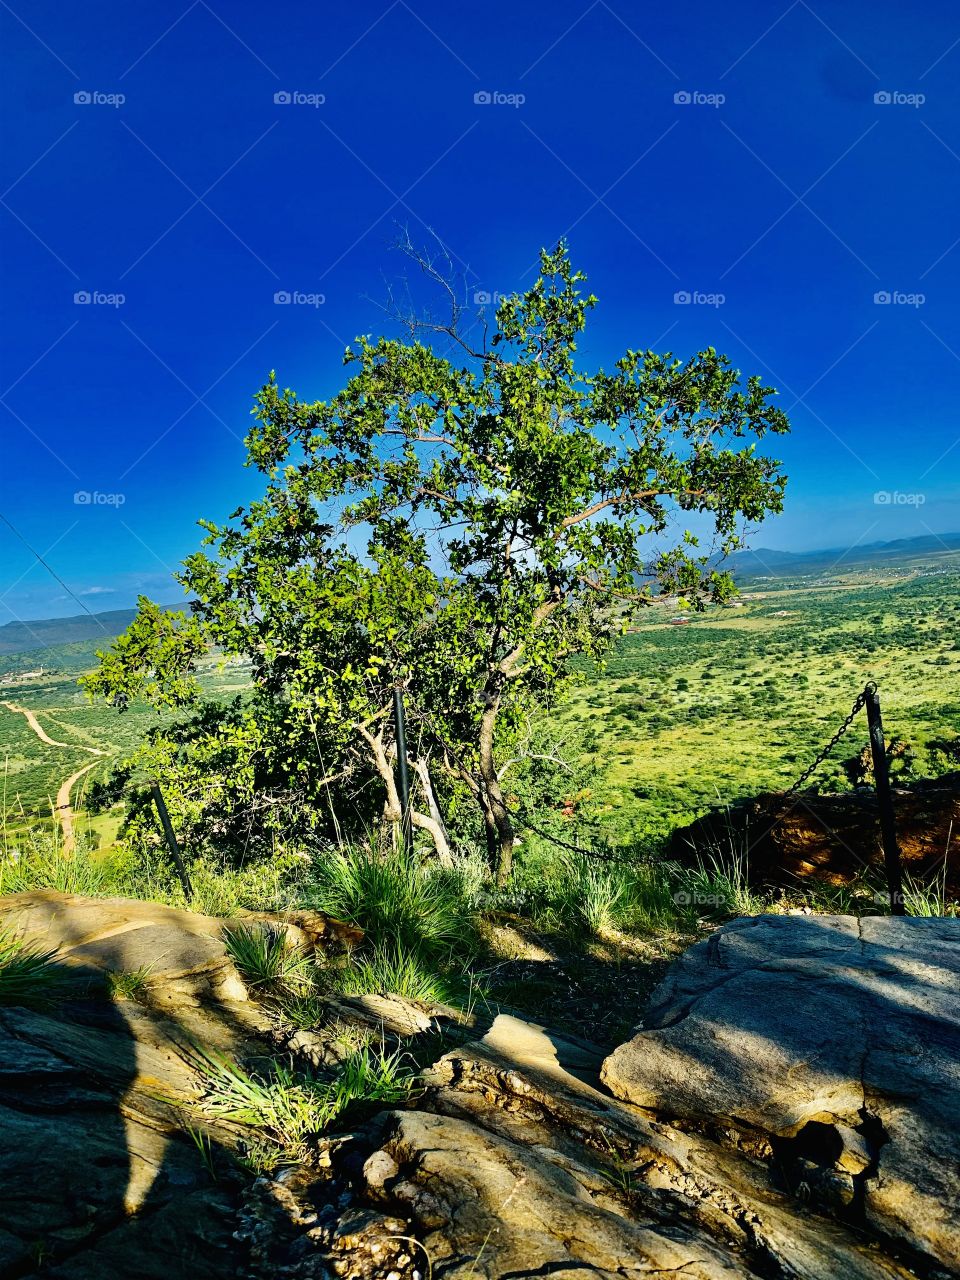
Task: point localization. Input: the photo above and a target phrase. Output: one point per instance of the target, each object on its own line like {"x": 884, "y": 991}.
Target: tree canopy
{"x": 460, "y": 527}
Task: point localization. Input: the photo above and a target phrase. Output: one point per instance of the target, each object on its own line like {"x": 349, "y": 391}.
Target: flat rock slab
{"x": 838, "y": 1039}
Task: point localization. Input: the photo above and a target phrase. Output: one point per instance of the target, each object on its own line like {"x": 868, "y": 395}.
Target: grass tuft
{"x": 28, "y": 976}
{"x": 266, "y": 958}
{"x": 288, "y": 1109}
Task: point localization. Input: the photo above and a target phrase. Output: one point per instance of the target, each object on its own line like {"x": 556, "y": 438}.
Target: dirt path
{"x": 62, "y": 807}
{"x": 42, "y": 734}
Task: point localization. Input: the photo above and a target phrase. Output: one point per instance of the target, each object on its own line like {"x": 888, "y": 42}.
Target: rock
{"x": 835, "y": 837}
{"x": 99, "y": 1177}
{"x": 836, "y": 1037}
{"x": 514, "y": 1163}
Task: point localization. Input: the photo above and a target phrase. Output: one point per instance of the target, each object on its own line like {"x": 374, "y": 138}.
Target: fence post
{"x": 406, "y": 825}
{"x": 881, "y": 775}
{"x": 172, "y": 845}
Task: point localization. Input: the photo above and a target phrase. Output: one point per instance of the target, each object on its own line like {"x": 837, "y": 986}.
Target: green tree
{"x": 463, "y": 529}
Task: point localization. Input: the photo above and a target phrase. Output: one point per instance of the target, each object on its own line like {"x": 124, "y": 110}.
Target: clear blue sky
{"x": 198, "y": 198}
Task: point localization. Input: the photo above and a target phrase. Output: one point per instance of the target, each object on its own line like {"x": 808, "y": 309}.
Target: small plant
{"x": 289, "y": 1109}
{"x": 28, "y": 976}
{"x": 129, "y": 984}
{"x": 201, "y": 1140}
{"x": 266, "y": 958}
{"x": 401, "y": 973}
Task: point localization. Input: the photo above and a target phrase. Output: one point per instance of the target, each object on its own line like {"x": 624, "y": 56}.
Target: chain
{"x": 822, "y": 755}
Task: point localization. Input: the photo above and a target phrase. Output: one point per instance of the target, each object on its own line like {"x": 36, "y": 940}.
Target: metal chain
{"x": 822, "y": 755}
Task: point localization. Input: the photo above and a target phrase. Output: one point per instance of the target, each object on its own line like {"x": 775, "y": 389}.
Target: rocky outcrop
{"x": 107, "y": 1168}
{"x": 836, "y": 838}
{"x": 835, "y": 1040}
{"x": 789, "y": 1111}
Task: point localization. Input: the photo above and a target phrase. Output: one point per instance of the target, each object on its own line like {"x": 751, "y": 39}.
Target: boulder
{"x": 834, "y": 1038}
{"x": 836, "y": 838}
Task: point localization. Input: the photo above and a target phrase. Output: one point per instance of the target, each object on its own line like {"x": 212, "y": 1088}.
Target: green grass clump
{"x": 266, "y": 958}
{"x": 385, "y": 970}
{"x": 129, "y": 984}
{"x": 288, "y": 1110}
{"x": 28, "y": 976}
{"x": 399, "y": 902}
{"x": 40, "y": 862}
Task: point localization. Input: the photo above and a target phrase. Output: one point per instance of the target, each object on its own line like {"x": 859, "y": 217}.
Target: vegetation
{"x": 460, "y": 532}
{"x": 28, "y": 976}
{"x": 286, "y": 1110}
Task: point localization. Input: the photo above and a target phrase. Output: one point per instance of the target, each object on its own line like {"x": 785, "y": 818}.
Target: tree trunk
{"x": 392, "y": 808}
{"x": 436, "y": 828}
{"x": 501, "y": 839}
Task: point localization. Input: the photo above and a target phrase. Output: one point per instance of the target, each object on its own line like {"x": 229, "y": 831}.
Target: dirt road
{"x": 42, "y": 734}
{"x": 62, "y": 807}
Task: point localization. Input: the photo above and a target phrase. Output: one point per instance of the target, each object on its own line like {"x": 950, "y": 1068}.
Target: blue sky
{"x": 732, "y": 152}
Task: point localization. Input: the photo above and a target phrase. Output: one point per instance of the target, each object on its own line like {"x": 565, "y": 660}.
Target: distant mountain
{"x": 41, "y": 633}
{"x": 764, "y": 562}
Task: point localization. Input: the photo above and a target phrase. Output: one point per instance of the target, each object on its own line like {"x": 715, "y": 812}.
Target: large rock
{"x": 836, "y": 838}
{"x": 99, "y": 1175}
{"x": 836, "y": 1038}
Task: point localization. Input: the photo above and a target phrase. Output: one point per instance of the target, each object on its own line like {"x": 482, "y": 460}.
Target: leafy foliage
{"x": 462, "y": 531}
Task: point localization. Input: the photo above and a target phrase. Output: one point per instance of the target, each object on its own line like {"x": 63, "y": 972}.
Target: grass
{"x": 399, "y": 902}
{"x": 28, "y": 976}
{"x": 286, "y": 1109}
{"x": 266, "y": 958}
{"x": 386, "y": 970}
{"x": 129, "y": 984}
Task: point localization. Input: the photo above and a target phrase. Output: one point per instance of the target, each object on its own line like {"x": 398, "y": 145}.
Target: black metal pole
{"x": 881, "y": 776}
{"x": 172, "y": 845}
{"x": 406, "y": 826}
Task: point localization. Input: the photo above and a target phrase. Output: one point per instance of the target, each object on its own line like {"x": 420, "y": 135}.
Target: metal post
{"x": 406, "y": 826}
{"x": 172, "y": 845}
{"x": 881, "y": 775}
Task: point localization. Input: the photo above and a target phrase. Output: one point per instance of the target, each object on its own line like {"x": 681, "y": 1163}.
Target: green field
{"x": 733, "y": 702}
